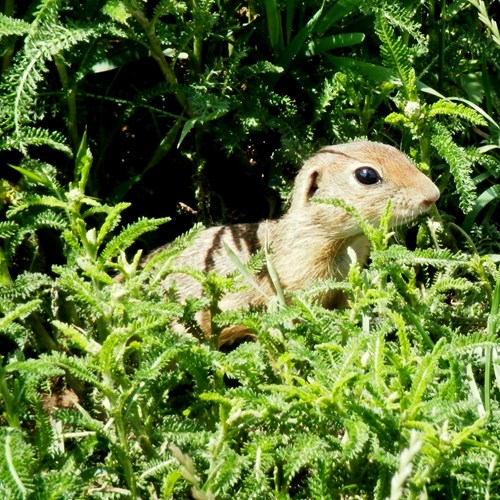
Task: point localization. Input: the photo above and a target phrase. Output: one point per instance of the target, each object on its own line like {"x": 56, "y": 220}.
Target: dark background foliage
{"x": 251, "y": 89}
{"x": 117, "y": 114}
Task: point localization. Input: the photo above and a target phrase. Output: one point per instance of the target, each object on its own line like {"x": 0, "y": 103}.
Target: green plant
{"x": 102, "y": 394}
{"x": 219, "y": 81}
{"x": 95, "y": 331}
{"x": 434, "y": 125}
{"x": 302, "y": 411}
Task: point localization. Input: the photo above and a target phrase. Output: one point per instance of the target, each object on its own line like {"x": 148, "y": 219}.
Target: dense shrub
{"x": 122, "y": 123}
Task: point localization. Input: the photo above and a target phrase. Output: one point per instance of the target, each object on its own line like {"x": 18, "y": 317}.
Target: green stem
{"x": 493, "y": 325}
{"x": 9, "y": 8}
{"x": 202, "y": 193}
{"x": 487, "y": 378}
{"x": 157, "y": 52}
{"x": 70, "y": 94}
{"x": 115, "y": 411}
{"x": 442, "y": 45}
{"x": 124, "y": 453}
{"x": 216, "y": 448}
{"x": 10, "y": 407}
{"x": 416, "y": 323}
{"x": 5, "y": 277}
{"x": 197, "y": 40}
{"x": 44, "y": 341}
{"x": 9, "y": 52}
{"x": 425, "y": 149}
{"x": 486, "y": 84}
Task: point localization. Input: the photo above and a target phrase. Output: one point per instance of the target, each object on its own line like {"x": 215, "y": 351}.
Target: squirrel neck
{"x": 302, "y": 251}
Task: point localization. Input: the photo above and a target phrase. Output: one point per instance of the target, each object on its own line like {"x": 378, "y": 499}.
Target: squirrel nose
{"x": 431, "y": 198}
{"x": 427, "y": 203}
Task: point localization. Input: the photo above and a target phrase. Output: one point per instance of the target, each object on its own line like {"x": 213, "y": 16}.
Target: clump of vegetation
{"x": 396, "y": 396}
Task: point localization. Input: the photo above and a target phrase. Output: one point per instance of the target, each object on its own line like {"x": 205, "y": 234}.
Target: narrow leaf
{"x": 333, "y": 42}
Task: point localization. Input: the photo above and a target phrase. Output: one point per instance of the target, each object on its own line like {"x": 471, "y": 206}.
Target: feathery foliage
{"x": 101, "y": 393}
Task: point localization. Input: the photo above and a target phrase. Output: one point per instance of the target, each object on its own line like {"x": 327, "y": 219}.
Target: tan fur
{"x": 311, "y": 240}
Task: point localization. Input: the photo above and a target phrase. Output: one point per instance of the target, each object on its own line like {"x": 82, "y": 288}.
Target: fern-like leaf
{"x": 11, "y": 26}
{"x": 112, "y": 220}
{"x": 44, "y": 201}
{"x": 128, "y": 236}
{"x": 20, "y": 312}
{"x": 423, "y": 379}
{"x": 17, "y": 460}
{"x": 395, "y": 55}
{"x": 449, "y": 108}
{"x": 80, "y": 368}
{"x": 82, "y": 292}
{"x": 228, "y": 464}
{"x": 8, "y": 229}
{"x": 44, "y": 39}
{"x": 357, "y": 435}
{"x": 31, "y": 224}
{"x": 78, "y": 337}
{"x": 24, "y": 286}
{"x": 460, "y": 165}
{"x": 305, "y": 451}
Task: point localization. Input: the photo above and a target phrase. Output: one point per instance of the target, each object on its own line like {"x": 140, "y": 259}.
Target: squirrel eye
{"x": 367, "y": 175}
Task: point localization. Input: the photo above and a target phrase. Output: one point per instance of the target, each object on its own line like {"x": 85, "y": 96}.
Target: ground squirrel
{"x": 311, "y": 239}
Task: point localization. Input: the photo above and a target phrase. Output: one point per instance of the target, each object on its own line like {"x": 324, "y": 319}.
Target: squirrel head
{"x": 365, "y": 175}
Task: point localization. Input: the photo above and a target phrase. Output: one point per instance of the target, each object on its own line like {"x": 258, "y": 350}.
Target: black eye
{"x": 367, "y": 175}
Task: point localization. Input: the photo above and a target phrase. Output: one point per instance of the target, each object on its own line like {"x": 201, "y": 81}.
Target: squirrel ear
{"x": 312, "y": 184}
